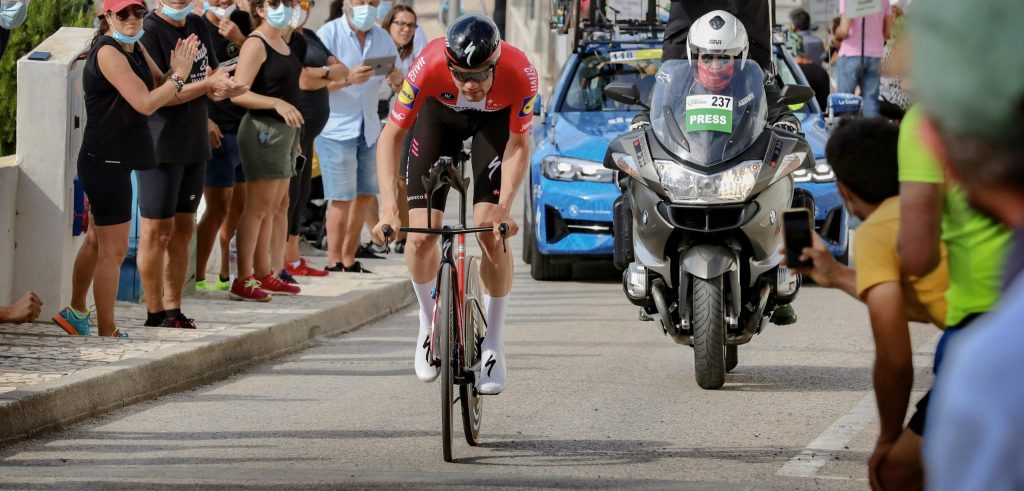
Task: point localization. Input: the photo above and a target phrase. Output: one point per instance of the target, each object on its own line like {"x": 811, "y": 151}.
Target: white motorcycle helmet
{"x": 718, "y": 33}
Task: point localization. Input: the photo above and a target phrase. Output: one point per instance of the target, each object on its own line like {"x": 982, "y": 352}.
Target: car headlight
{"x": 567, "y": 169}
{"x": 686, "y": 186}
{"x": 822, "y": 172}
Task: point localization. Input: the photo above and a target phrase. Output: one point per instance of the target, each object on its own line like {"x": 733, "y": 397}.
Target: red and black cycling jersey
{"x": 515, "y": 87}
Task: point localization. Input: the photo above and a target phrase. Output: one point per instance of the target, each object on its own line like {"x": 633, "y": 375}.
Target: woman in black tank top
{"x": 268, "y": 140}
{"x": 118, "y": 79}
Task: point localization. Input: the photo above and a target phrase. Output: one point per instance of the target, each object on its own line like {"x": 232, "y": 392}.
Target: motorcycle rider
{"x": 717, "y": 41}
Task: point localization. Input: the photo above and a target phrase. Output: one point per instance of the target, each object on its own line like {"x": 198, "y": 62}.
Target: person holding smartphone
{"x": 347, "y": 146}
{"x": 268, "y": 140}
{"x": 320, "y": 68}
{"x": 123, "y": 87}
{"x": 224, "y": 176}
{"x": 893, "y": 296}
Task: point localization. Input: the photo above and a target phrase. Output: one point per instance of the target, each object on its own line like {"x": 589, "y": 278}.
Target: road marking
{"x": 819, "y": 452}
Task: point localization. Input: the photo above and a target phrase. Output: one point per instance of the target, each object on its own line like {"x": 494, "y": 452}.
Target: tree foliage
{"x": 45, "y": 17}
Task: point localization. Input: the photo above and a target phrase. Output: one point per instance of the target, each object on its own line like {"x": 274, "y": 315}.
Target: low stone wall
{"x": 8, "y": 187}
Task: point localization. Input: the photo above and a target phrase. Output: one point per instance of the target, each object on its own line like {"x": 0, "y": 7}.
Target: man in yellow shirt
{"x": 863, "y": 154}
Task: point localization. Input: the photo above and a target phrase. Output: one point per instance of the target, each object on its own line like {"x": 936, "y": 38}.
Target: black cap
{"x": 472, "y": 41}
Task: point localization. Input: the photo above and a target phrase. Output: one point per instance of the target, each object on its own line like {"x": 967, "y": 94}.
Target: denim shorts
{"x": 348, "y": 168}
{"x": 224, "y": 169}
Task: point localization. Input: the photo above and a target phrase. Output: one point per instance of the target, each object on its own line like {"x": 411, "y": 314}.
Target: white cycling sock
{"x": 426, "y": 304}
{"x": 495, "y": 308}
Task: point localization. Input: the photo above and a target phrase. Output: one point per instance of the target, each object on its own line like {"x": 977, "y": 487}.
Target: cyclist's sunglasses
{"x": 472, "y": 76}
{"x": 708, "y": 59}
{"x": 134, "y": 11}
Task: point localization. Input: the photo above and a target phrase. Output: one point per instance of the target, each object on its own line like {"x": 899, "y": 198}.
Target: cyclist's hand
{"x": 378, "y": 230}
{"x": 498, "y": 217}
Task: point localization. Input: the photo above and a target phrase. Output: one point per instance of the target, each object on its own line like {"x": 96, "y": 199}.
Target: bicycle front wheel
{"x": 473, "y": 326}
{"x": 445, "y": 322}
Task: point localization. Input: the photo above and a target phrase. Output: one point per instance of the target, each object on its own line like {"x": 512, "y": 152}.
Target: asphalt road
{"x": 597, "y": 399}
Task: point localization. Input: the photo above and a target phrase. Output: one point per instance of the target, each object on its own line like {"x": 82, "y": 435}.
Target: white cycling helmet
{"x": 718, "y": 33}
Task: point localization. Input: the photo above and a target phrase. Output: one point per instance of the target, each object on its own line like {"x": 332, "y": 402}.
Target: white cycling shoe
{"x": 424, "y": 370}
{"x": 492, "y": 372}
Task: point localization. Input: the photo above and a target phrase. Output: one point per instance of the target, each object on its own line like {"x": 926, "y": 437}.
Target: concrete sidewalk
{"x": 49, "y": 380}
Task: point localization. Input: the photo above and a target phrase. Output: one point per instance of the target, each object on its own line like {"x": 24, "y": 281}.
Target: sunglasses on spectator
{"x": 403, "y": 25}
{"x": 707, "y": 59}
{"x": 472, "y": 76}
{"x": 136, "y": 11}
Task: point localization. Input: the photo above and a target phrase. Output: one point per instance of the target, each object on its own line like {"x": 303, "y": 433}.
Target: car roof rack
{"x": 595, "y": 27}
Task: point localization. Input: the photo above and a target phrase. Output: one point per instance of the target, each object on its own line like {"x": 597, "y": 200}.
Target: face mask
{"x": 278, "y": 17}
{"x": 363, "y": 17}
{"x": 121, "y": 38}
{"x": 206, "y": 6}
{"x": 298, "y": 18}
{"x": 177, "y": 14}
{"x": 382, "y": 11}
{"x": 13, "y": 14}
{"x": 223, "y": 13}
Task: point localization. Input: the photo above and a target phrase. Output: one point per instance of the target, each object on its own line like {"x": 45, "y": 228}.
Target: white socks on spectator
{"x": 495, "y": 308}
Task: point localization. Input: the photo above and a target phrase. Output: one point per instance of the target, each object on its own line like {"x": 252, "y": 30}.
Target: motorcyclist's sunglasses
{"x": 135, "y": 11}
{"x": 471, "y": 76}
{"x": 708, "y": 59}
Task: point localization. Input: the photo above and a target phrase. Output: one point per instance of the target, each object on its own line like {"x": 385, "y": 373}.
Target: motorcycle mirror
{"x": 796, "y": 94}
{"x": 626, "y": 93}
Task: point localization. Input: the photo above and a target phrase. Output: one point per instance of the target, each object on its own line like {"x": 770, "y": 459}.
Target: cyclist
{"x": 469, "y": 84}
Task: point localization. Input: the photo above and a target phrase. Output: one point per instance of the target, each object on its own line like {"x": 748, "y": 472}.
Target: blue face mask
{"x": 206, "y": 6}
{"x": 383, "y": 10}
{"x": 13, "y": 14}
{"x": 121, "y": 38}
{"x": 278, "y": 17}
{"x": 177, "y": 14}
{"x": 364, "y": 16}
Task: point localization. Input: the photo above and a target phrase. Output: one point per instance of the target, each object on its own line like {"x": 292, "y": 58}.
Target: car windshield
{"x": 705, "y": 126}
{"x": 600, "y": 68}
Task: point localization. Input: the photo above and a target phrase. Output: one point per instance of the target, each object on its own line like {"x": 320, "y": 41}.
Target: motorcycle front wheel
{"x": 709, "y": 332}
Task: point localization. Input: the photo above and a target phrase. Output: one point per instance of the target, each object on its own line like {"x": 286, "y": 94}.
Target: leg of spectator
{"x": 846, "y": 76}
{"x": 84, "y": 269}
{"x": 372, "y": 215}
{"x": 870, "y": 80}
{"x": 353, "y": 229}
{"x": 337, "y": 218}
{"x": 258, "y": 205}
{"x": 112, "y": 246}
{"x": 227, "y": 231}
{"x": 218, "y": 201}
{"x": 178, "y": 252}
{"x": 279, "y": 232}
{"x": 154, "y": 238}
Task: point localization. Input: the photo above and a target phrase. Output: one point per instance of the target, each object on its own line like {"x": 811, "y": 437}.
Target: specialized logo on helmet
{"x": 469, "y": 53}
{"x": 407, "y": 96}
{"x": 528, "y": 105}
{"x": 717, "y": 22}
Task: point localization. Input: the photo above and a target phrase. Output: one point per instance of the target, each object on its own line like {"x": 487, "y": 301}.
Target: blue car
{"x": 568, "y": 204}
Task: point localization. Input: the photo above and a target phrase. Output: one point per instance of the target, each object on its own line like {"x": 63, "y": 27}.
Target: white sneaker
{"x": 492, "y": 372}
{"x": 424, "y": 370}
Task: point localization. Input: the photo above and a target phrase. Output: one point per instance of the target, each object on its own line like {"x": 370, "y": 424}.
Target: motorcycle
{"x": 698, "y": 227}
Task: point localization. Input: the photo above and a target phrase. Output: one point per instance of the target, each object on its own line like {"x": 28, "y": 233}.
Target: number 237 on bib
{"x": 709, "y": 113}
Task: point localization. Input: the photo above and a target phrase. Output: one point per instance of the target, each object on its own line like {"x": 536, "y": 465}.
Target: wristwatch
{"x": 327, "y": 71}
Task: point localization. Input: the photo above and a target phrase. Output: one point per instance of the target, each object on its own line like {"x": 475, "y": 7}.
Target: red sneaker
{"x": 303, "y": 269}
{"x": 273, "y": 284}
{"x": 249, "y": 290}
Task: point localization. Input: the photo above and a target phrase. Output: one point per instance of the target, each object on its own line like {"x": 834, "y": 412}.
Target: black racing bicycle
{"x": 459, "y": 320}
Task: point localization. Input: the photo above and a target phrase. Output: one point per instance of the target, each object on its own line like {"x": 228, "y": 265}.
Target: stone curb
{"x": 56, "y": 404}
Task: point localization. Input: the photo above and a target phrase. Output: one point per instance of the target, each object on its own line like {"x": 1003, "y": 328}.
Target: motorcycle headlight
{"x": 626, "y": 163}
{"x": 567, "y": 169}
{"x": 822, "y": 172}
{"x": 686, "y": 186}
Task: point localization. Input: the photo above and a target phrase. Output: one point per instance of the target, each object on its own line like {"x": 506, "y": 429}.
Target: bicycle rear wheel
{"x": 445, "y": 321}
{"x": 473, "y": 327}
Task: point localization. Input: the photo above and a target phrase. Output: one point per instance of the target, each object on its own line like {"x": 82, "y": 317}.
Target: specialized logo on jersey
{"x": 528, "y": 105}
{"x": 407, "y": 96}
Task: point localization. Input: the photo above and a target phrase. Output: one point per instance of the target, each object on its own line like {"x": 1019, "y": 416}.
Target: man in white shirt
{"x": 347, "y": 146}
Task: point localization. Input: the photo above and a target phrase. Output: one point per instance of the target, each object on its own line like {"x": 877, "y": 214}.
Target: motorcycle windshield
{"x": 706, "y": 117}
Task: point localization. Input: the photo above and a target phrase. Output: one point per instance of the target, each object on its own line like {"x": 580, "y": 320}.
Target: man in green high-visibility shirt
{"x": 935, "y": 209}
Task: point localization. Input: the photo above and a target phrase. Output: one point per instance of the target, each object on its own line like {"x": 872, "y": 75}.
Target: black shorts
{"x": 170, "y": 189}
{"x": 108, "y": 187}
{"x": 440, "y": 131}
{"x": 917, "y": 421}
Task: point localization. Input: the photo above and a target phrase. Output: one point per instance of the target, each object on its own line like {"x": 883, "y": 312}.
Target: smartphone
{"x": 39, "y": 56}
{"x": 797, "y": 226}
{"x": 382, "y": 65}
{"x": 300, "y": 163}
